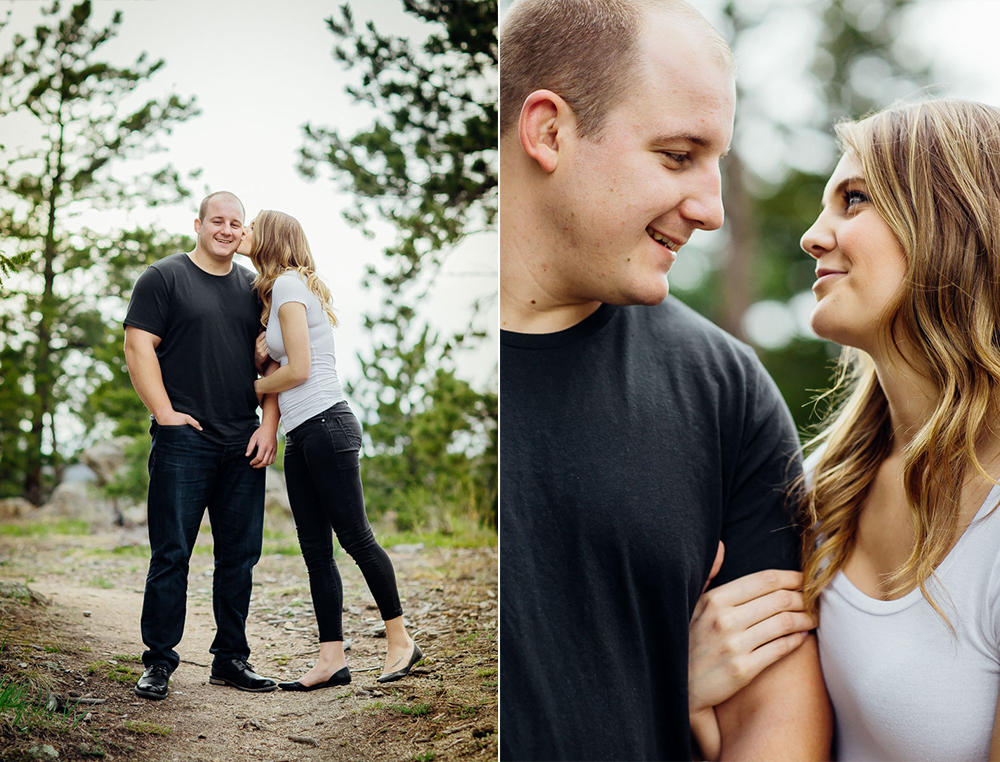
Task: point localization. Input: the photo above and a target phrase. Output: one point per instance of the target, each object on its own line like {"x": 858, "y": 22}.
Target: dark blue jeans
{"x": 323, "y": 477}
{"x": 187, "y": 474}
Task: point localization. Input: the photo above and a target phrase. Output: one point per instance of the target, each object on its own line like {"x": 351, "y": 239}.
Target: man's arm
{"x": 144, "y": 370}
{"x": 265, "y": 438}
{"x": 783, "y": 714}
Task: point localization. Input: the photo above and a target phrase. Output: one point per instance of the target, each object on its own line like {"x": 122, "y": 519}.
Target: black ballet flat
{"x": 340, "y": 677}
{"x": 400, "y": 673}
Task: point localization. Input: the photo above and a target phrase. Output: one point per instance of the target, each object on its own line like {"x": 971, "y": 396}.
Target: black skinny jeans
{"x": 323, "y": 477}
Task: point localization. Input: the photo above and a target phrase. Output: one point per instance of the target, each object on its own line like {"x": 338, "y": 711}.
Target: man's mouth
{"x": 663, "y": 240}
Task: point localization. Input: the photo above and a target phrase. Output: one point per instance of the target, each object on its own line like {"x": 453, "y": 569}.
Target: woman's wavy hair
{"x": 279, "y": 244}
{"x": 932, "y": 171}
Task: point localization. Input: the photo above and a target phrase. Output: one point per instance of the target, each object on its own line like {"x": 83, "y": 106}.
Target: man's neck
{"x": 531, "y": 299}
{"x": 211, "y": 264}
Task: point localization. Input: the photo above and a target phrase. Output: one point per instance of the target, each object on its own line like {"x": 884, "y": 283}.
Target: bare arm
{"x": 295, "y": 333}
{"x": 738, "y": 630}
{"x": 783, "y": 714}
{"x": 144, "y": 370}
{"x": 265, "y": 438}
{"x": 995, "y": 741}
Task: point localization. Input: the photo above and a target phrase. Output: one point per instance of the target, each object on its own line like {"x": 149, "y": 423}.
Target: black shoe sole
{"x": 223, "y": 681}
{"x": 340, "y": 677}
{"x": 148, "y": 694}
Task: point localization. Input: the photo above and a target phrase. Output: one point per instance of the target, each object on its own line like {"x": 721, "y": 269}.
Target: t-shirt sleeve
{"x": 149, "y": 306}
{"x": 760, "y": 530}
{"x": 289, "y": 289}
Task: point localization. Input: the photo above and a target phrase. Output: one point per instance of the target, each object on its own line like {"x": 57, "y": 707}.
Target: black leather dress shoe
{"x": 153, "y": 683}
{"x": 389, "y": 677}
{"x": 239, "y": 674}
{"x": 340, "y": 677}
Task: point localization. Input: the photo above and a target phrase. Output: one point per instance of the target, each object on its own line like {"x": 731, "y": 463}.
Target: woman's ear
{"x": 545, "y": 120}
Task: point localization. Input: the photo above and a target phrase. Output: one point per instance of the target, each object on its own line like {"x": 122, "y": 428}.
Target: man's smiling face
{"x": 222, "y": 229}
{"x": 632, "y": 196}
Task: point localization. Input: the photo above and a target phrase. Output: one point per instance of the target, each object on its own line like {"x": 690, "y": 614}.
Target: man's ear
{"x": 545, "y": 120}
{"x": 197, "y": 226}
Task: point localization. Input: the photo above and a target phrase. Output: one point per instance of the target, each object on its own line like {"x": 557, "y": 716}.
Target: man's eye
{"x": 675, "y": 158}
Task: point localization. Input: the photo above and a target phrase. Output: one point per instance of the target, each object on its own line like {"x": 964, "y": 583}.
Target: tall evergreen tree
{"x": 428, "y": 166}
{"x": 80, "y": 121}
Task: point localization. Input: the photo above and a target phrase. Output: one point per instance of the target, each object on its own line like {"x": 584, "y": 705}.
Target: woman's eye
{"x": 854, "y": 197}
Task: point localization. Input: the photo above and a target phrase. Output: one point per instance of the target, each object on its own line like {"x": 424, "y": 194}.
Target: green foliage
{"x": 131, "y": 482}
{"x": 58, "y": 316}
{"x": 766, "y": 218}
{"x": 428, "y": 166}
{"x": 9, "y": 264}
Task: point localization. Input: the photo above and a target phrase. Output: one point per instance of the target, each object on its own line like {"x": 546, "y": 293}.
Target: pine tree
{"x": 83, "y": 122}
{"x": 428, "y": 166}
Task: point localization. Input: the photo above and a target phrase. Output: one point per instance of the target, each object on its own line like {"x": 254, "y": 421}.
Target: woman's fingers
{"x": 777, "y": 626}
{"x": 759, "y": 659}
{"x": 753, "y": 586}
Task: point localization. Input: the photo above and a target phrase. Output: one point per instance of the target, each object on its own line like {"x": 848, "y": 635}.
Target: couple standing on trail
{"x": 201, "y": 364}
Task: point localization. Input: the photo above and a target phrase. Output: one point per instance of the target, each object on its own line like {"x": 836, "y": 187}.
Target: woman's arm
{"x": 995, "y": 741}
{"x": 738, "y": 630}
{"x": 295, "y": 334}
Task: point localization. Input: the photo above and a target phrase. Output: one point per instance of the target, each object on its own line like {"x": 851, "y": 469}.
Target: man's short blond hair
{"x": 585, "y": 51}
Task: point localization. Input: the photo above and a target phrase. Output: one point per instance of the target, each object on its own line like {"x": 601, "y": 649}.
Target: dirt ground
{"x": 84, "y": 641}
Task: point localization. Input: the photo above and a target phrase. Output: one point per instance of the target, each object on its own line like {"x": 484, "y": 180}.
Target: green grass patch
{"x": 120, "y": 673}
{"x": 486, "y": 672}
{"x": 148, "y": 728}
{"x": 469, "y": 637}
{"x": 468, "y": 712}
{"x": 284, "y": 547}
{"x": 427, "y": 756}
{"x": 20, "y": 711}
{"x": 130, "y": 550}
{"x": 470, "y": 537}
{"x": 102, "y": 582}
{"x": 417, "y": 710}
{"x": 45, "y": 528}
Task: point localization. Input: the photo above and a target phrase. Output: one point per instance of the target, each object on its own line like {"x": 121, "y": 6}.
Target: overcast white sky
{"x": 260, "y": 69}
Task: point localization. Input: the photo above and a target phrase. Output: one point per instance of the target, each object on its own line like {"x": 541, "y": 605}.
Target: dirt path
{"x": 85, "y": 641}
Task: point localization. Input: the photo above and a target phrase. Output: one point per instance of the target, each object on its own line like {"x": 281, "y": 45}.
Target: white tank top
{"x": 322, "y": 388}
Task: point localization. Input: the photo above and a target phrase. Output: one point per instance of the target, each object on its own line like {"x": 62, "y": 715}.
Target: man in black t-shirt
{"x": 635, "y": 434}
{"x": 190, "y": 331}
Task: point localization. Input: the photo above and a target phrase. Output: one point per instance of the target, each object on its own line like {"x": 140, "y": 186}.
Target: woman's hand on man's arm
{"x": 737, "y": 631}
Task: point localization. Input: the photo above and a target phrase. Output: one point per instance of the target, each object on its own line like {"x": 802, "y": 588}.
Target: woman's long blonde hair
{"x": 279, "y": 244}
{"x": 933, "y": 173}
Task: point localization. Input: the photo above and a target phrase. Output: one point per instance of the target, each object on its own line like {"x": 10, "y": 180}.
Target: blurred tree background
{"x": 58, "y": 346}
{"x": 425, "y": 171}
{"x": 428, "y": 165}
{"x": 752, "y": 278}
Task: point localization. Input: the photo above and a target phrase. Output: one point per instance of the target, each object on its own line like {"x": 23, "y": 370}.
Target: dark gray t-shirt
{"x": 630, "y": 445}
{"x": 207, "y": 325}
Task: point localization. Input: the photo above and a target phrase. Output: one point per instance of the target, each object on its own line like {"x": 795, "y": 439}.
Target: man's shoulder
{"x": 170, "y": 263}
{"x": 676, "y": 327}
{"x": 245, "y": 272}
